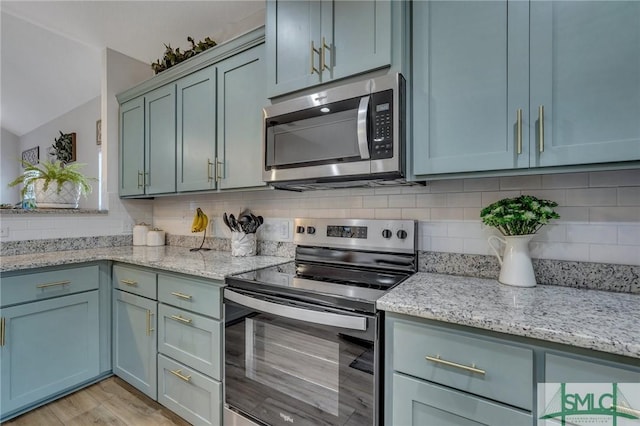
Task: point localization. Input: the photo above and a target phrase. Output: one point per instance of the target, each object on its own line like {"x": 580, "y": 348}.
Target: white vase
{"x": 243, "y": 244}
{"x": 516, "y": 268}
{"x": 68, "y": 197}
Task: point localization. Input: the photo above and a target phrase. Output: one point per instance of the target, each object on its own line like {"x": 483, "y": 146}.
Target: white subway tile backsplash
{"x": 447, "y": 214}
{"x": 565, "y": 180}
{"x": 551, "y": 233}
{"x": 521, "y": 183}
{"x": 464, "y": 199}
{"x": 573, "y": 214}
{"x": 599, "y": 234}
{"x": 493, "y": 196}
{"x": 471, "y": 213}
{"x": 629, "y": 235}
{"x": 560, "y": 251}
{"x": 629, "y": 196}
{"x": 615, "y": 178}
{"x": 415, "y": 214}
{"x": 476, "y": 246}
{"x": 591, "y": 197}
{"x": 404, "y": 200}
{"x": 614, "y": 214}
{"x": 375, "y": 201}
{"x": 557, "y": 195}
{"x": 465, "y": 230}
{"x": 452, "y": 185}
{"x": 620, "y": 254}
{"x": 481, "y": 184}
{"x": 448, "y": 245}
{"x": 434, "y": 229}
{"x": 388, "y": 213}
{"x": 431, "y": 200}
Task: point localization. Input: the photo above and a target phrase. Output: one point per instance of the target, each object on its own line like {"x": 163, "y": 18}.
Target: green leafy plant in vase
{"x": 56, "y": 185}
{"x": 518, "y": 219}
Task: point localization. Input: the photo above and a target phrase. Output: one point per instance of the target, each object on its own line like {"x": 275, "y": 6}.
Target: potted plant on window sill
{"x": 56, "y": 185}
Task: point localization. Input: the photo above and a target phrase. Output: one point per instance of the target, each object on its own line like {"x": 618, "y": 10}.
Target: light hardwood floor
{"x": 110, "y": 402}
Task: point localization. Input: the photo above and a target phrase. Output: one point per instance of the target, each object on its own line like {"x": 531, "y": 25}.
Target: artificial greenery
{"x": 52, "y": 171}
{"x": 173, "y": 57}
{"x": 63, "y": 147}
{"x": 519, "y": 216}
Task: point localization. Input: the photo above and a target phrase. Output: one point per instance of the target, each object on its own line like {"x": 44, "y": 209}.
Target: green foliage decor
{"x": 173, "y": 57}
{"x": 519, "y": 216}
{"x": 53, "y": 171}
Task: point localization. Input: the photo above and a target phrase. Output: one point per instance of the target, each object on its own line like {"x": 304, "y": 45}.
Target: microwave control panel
{"x": 382, "y": 108}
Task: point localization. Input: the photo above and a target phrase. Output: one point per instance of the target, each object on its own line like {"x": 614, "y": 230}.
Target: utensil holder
{"x": 242, "y": 244}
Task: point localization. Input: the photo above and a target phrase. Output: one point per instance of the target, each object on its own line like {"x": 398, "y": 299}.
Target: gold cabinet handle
{"x": 219, "y": 166}
{"x": 519, "y": 130}
{"x": 149, "y": 329}
{"x": 181, "y": 319}
{"x": 313, "y": 64}
{"x": 471, "y": 368}
{"x": 209, "y": 164}
{"x": 57, "y": 283}
{"x": 130, "y": 283}
{"x": 625, "y": 410}
{"x": 181, "y": 295}
{"x": 323, "y": 59}
{"x": 140, "y": 178}
{"x": 541, "y": 128}
{"x": 2, "y": 331}
{"x": 178, "y": 373}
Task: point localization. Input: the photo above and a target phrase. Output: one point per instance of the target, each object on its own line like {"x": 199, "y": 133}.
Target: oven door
{"x": 294, "y": 363}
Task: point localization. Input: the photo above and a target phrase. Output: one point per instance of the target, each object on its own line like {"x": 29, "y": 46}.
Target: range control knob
{"x": 402, "y": 234}
{"x": 387, "y": 233}
{"x": 311, "y": 230}
{"x": 300, "y": 230}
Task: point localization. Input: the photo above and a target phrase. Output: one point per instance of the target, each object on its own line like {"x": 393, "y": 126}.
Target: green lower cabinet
{"x": 134, "y": 341}
{"x": 47, "y": 347}
{"x": 421, "y": 403}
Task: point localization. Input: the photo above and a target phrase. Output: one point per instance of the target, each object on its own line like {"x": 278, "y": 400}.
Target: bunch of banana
{"x": 200, "y": 221}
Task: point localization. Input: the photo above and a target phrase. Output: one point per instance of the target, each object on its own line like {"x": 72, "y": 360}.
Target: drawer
{"x": 203, "y": 297}
{"x": 136, "y": 281}
{"x": 191, "y": 395}
{"x": 192, "y": 339}
{"x": 416, "y": 402}
{"x": 442, "y": 356}
{"x": 43, "y": 285}
{"x": 567, "y": 369}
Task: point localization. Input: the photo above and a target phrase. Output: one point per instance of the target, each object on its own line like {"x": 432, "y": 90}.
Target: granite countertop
{"x": 207, "y": 264}
{"x": 592, "y": 319}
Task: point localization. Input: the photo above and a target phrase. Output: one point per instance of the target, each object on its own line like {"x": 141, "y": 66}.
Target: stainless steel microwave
{"x": 352, "y": 135}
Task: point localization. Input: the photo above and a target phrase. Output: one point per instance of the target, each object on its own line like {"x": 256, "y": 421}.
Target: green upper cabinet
{"x": 469, "y": 73}
{"x": 483, "y": 72}
{"x": 132, "y": 147}
{"x": 241, "y": 94}
{"x": 313, "y": 42}
{"x": 585, "y": 72}
{"x": 196, "y": 126}
{"x": 160, "y": 140}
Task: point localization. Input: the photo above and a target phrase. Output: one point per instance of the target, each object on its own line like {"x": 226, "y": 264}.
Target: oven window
{"x": 285, "y": 372}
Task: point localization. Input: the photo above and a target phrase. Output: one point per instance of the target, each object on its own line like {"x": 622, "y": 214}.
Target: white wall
{"x": 10, "y": 168}
{"x": 600, "y": 212}
{"x": 82, "y": 122}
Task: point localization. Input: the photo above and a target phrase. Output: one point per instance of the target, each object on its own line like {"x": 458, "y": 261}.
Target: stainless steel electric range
{"x": 303, "y": 339}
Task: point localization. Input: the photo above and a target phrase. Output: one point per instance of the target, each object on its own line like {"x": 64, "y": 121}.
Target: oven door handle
{"x": 300, "y": 314}
{"x": 363, "y": 142}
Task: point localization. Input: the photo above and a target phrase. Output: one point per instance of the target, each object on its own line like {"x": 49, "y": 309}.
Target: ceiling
{"x": 51, "y": 51}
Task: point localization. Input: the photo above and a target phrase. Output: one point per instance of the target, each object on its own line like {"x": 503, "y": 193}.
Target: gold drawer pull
{"x": 53, "y": 284}
{"x": 471, "y": 369}
{"x": 129, "y": 282}
{"x": 149, "y": 328}
{"x": 178, "y": 373}
{"x": 625, "y": 410}
{"x": 181, "y": 319}
{"x": 181, "y": 295}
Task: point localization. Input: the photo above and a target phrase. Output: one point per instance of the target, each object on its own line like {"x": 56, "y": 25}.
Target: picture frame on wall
{"x": 31, "y": 155}
{"x": 99, "y": 132}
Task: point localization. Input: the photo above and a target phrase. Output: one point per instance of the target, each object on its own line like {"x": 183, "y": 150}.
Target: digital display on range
{"x": 347, "y": 231}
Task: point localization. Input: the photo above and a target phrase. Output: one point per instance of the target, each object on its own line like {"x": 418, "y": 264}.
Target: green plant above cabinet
{"x": 501, "y": 86}
{"x": 314, "y": 42}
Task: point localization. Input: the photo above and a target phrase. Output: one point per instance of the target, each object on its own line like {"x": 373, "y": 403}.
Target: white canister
{"x": 155, "y": 238}
{"x": 140, "y": 234}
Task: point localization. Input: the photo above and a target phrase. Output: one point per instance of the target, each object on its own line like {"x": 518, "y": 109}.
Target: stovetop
{"x": 343, "y": 263}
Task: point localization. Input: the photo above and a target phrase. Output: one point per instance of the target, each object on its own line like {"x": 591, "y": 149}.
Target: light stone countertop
{"x": 592, "y": 319}
{"x": 207, "y": 264}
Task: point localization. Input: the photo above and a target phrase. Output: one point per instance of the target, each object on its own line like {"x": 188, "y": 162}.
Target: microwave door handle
{"x": 363, "y": 113}
{"x": 300, "y": 314}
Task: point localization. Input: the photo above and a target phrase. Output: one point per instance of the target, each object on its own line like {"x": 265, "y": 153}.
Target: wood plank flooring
{"x": 111, "y": 402}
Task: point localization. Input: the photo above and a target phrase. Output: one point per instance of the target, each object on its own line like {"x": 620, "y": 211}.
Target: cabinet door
{"x": 241, "y": 97}
{"x": 470, "y": 76}
{"x": 132, "y": 147}
{"x": 419, "y": 403}
{"x": 291, "y": 28}
{"x": 357, "y": 35}
{"x": 585, "y": 71}
{"x": 49, "y": 346}
{"x": 134, "y": 341}
{"x": 196, "y": 129}
{"x": 160, "y": 141}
